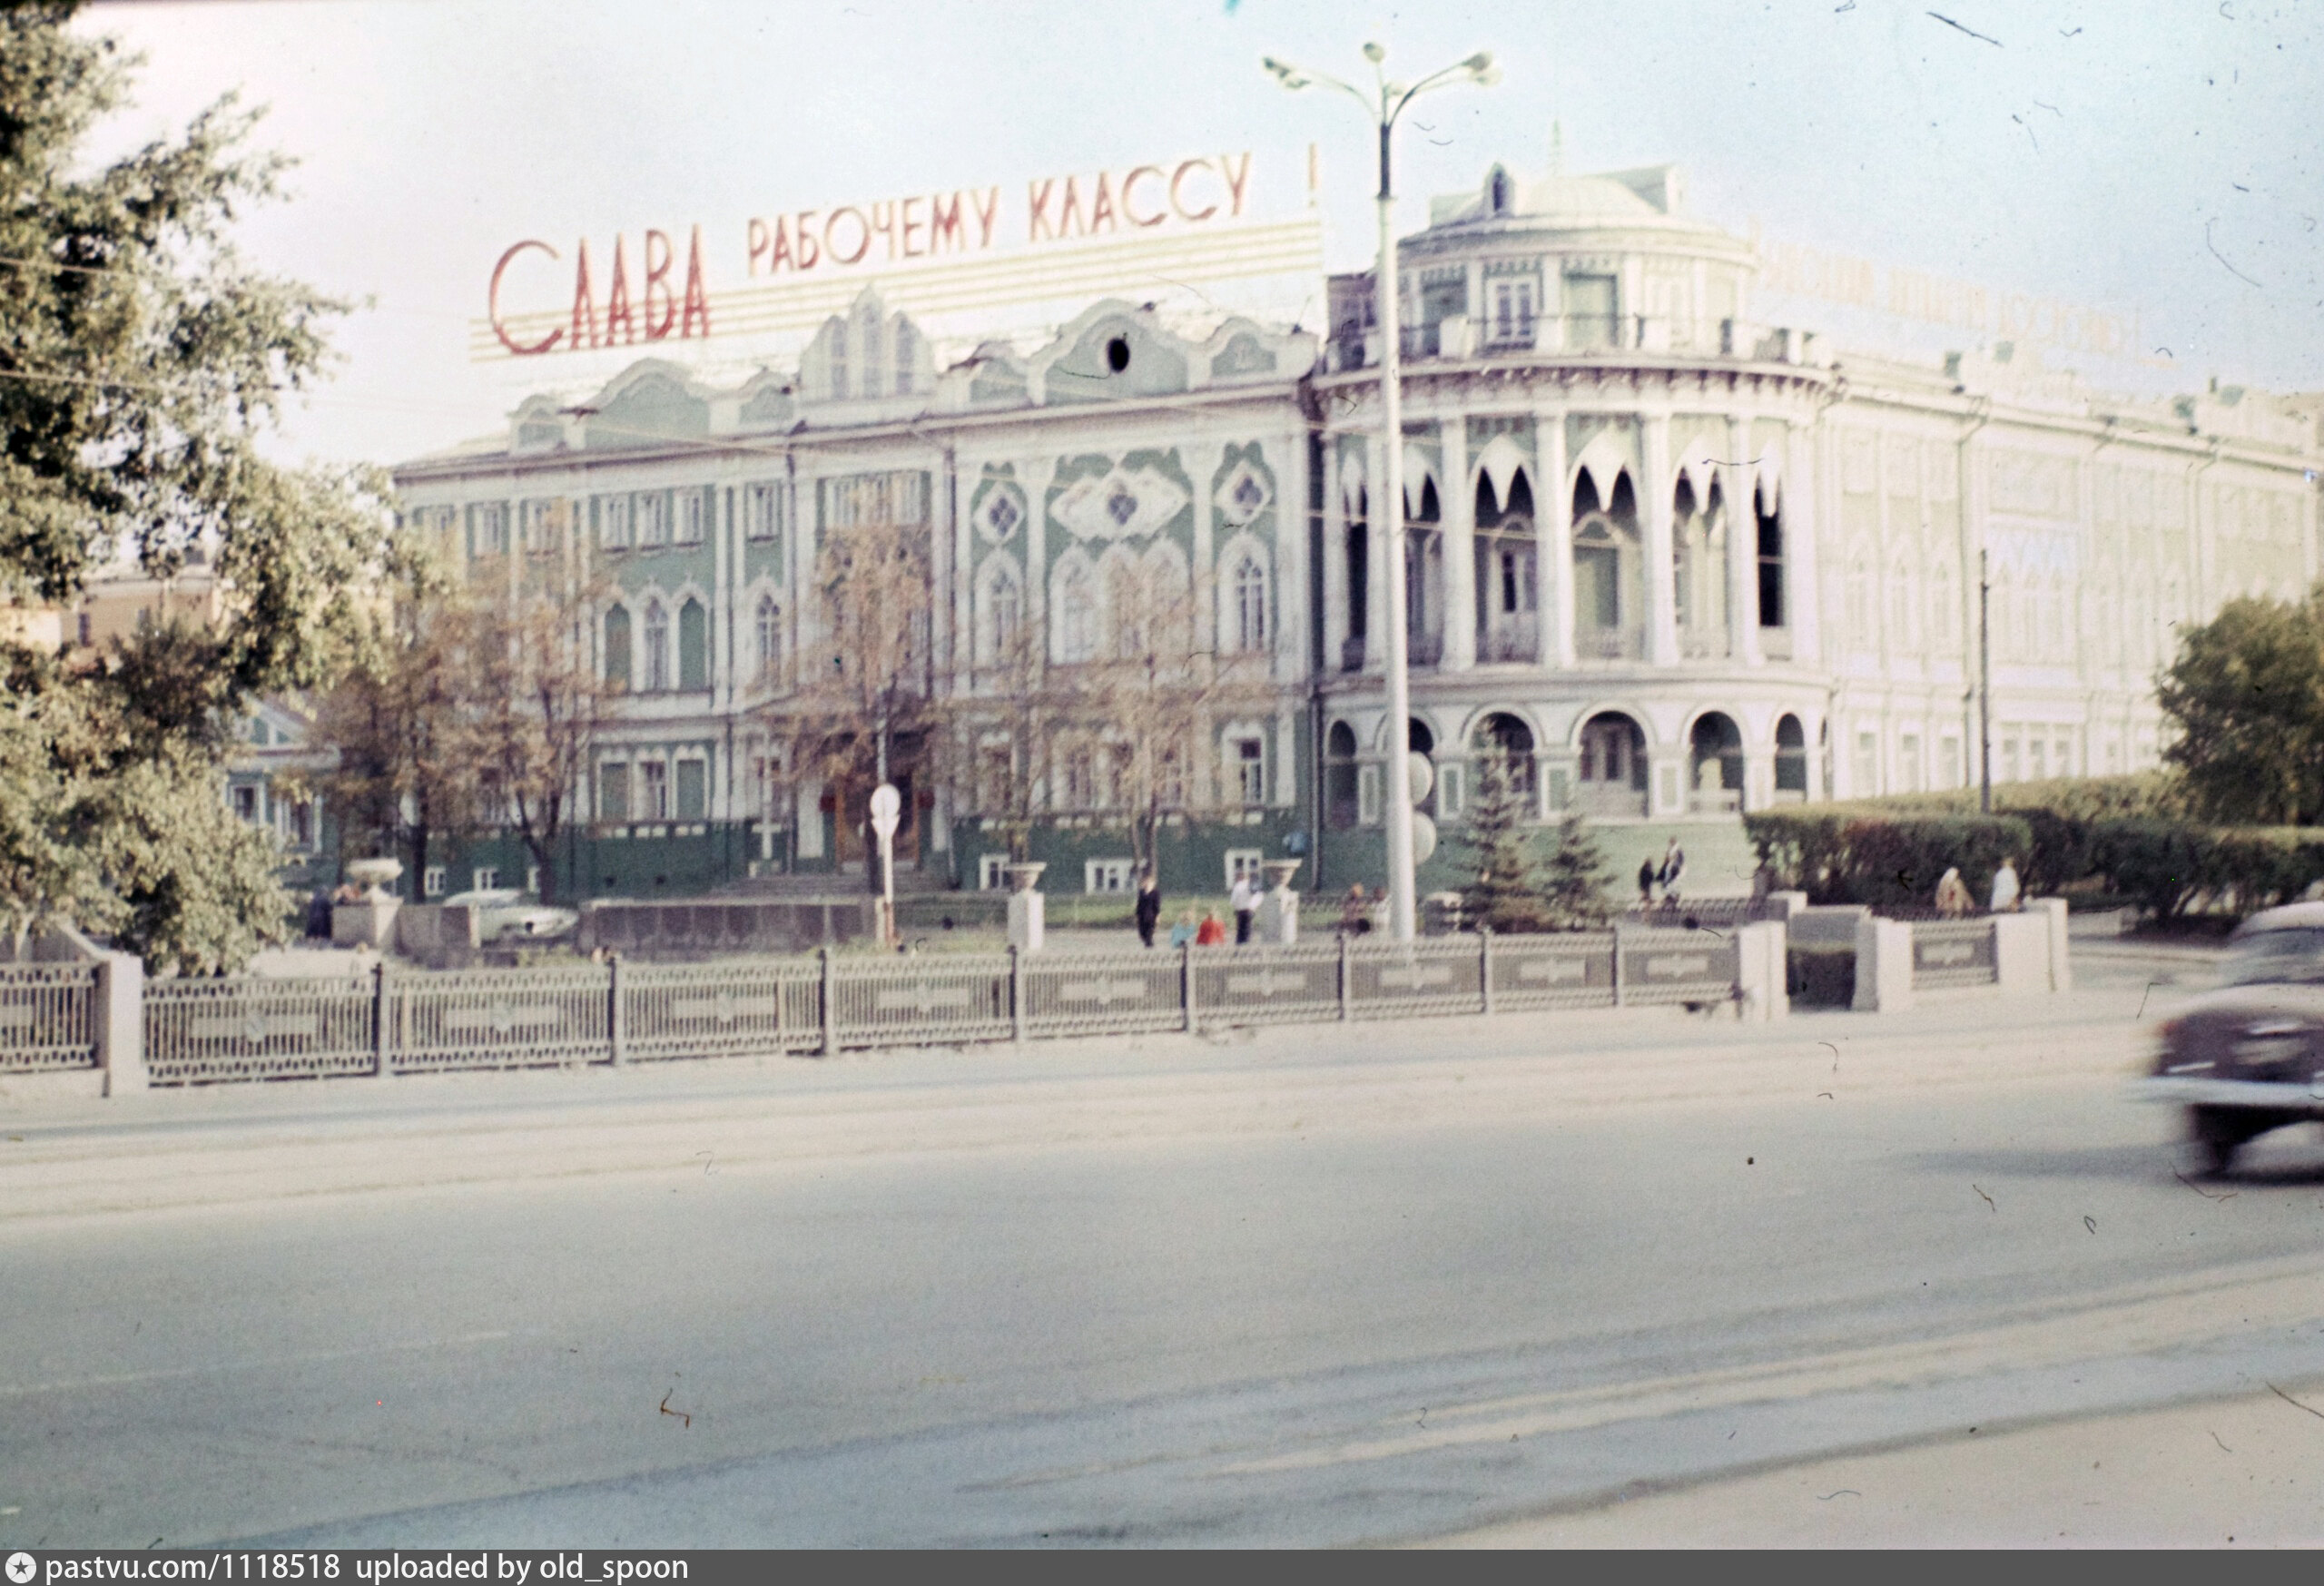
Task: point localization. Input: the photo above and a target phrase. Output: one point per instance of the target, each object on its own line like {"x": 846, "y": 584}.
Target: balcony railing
{"x": 1604, "y": 800}
{"x": 1702, "y": 644}
{"x": 1510, "y": 641}
{"x": 1424, "y": 649}
{"x": 1775, "y": 643}
{"x": 1610, "y": 645}
{"x": 1352, "y": 653}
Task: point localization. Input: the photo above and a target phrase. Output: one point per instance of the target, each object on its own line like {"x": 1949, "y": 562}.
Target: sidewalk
{"x": 2244, "y": 1473}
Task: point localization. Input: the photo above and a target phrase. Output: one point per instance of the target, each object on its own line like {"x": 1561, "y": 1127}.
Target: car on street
{"x": 504, "y": 914}
{"x": 2249, "y": 1056}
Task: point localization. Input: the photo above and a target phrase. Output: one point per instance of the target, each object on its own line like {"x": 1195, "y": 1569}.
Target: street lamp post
{"x": 1384, "y": 105}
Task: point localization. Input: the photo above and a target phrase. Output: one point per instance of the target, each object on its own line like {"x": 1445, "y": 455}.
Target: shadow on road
{"x": 2292, "y": 1159}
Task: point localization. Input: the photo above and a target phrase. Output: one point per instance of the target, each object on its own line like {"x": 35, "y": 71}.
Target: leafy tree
{"x": 141, "y": 363}
{"x": 2247, "y": 696}
{"x": 532, "y": 700}
{"x": 403, "y": 762}
{"x": 1506, "y": 896}
{"x": 1574, "y": 880}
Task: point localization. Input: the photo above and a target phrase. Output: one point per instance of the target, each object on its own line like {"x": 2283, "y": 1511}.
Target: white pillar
{"x": 1375, "y": 555}
{"x": 1662, "y": 595}
{"x": 1553, "y": 525}
{"x": 1458, "y": 504}
{"x": 1336, "y": 590}
{"x": 1736, "y": 474}
{"x": 1802, "y": 577}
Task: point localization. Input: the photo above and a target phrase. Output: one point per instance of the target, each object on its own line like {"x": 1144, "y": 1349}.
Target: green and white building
{"x": 1682, "y": 562}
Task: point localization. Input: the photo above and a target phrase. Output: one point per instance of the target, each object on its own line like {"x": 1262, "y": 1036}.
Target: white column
{"x": 1458, "y": 504}
{"x": 722, "y": 567}
{"x": 1335, "y": 591}
{"x": 1662, "y": 595}
{"x": 1375, "y": 548}
{"x": 1802, "y": 577}
{"x": 1742, "y": 544}
{"x": 1293, "y": 614}
{"x": 1553, "y": 513}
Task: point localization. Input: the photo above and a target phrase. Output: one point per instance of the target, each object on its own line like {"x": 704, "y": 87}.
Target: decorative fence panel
{"x": 1953, "y": 952}
{"x": 202, "y": 1032}
{"x": 922, "y": 1002}
{"x": 1571, "y": 970}
{"x": 1400, "y": 979}
{"x": 48, "y": 1018}
{"x": 1275, "y": 985}
{"x": 1104, "y": 994}
{"x": 714, "y": 1010}
{"x": 1676, "y": 966}
{"x": 498, "y": 1019}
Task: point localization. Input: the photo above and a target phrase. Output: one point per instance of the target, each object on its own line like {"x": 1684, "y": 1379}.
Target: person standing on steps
{"x": 1674, "y": 865}
{"x": 1645, "y": 883}
{"x": 1148, "y": 912}
{"x": 1243, "y": 899}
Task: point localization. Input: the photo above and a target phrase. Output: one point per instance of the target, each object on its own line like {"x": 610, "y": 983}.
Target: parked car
{"x": 2249, "y": 1056}
{"x": 503, "y": 912}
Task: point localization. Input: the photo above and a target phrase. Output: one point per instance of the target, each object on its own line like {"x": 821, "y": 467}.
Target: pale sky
{"x": 2143, "y": 157}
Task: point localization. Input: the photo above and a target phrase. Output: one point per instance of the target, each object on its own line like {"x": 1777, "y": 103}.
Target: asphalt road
{"x": 1322, "y": 1286}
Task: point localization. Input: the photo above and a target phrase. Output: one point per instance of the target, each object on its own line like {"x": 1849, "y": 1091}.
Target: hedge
{"x": 2127, "y": 835}
{"x": 1838, "y": 854}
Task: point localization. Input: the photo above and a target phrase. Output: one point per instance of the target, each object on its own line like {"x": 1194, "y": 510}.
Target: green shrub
{"x": 2170, "y": 867}
{"x": 1837, "y": 853}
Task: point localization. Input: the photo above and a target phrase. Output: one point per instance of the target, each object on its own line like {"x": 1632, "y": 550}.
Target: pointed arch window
{"x": 694, "y": 646}
{"x": 770, "y": 639}
{"x": 617, "y": 649}
{"x": 1004, "y": 614}
{"x": 657, "y": 647}
{"x": 1250, "y": 587}
{"x": 1076, "y": 614}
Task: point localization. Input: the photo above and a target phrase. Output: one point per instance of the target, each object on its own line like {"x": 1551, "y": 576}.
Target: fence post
{"x": 1484, "y": 965}
{"x": 830, "y": 999}
{"x": 617, "y": 1026}
{"x": 1344, "y": 979}
{"x": 1618, "y": 964}
{"x": 120, "y": 994}
{"x": 382, "y": 1067}
{"x": 1186, "y": 983}
{"x": 1017, "y": 994}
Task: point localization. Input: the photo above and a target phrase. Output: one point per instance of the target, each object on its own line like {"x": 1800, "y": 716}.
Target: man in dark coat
{"x": 1148, "y": 912}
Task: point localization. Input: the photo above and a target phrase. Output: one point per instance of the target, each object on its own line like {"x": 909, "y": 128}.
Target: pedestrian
{"x": 1953, "y": 899}
{"x": 1763, "y": 883}
{"x": 1355, "y": 914}
{"x": 1213, "y": 932}
{"x": 1148, "y": 912}
{"x": 1674, "y": 865}
{"x": 2006, "y": 887}
{"x": 319, "y": 914}
{"x": 1243, "y": 899}
{"x": 1645, "y": 883}
{"x": 1185, "y": 930}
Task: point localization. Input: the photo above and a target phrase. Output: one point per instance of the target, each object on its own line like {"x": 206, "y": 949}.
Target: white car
{"x": 503, "y": 912}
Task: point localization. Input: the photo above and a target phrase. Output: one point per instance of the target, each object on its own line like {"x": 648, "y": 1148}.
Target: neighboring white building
{"x": 1684, "y": 562}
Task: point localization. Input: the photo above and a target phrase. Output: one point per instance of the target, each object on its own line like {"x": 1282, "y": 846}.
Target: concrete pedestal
{"x": 2021, "y": 953}
{"x": 1761, "y": 962}
{"x": 1884, "y": 965}
{"x": 371, "y": 924}
{"x": 1277, "y": 924}
{"x": 1025, "y": 917}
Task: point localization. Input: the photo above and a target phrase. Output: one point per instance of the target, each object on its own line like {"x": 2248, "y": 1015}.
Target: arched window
{"x": 903, "y": 357}
{"x": 1861, "y": 632}
{"x": 657, "y": 647}
{"x": 1943, "y": 622}
{"x": 1004, "y": 614}
{"x": 1772, "y": 606}
{"x": 835, "y": 353}
{"x": 1791, "y": 758}
{"x": 869, "y": 323}
{"x": 1077, "y": 615}
{"x": 617, "y": 647}
{"x": 1250, "y": 585}
{"x": 1504, "y": 737}
{"x": 694, "y": 646}
{"x": 1342, "y": 807}
{"x": 1128, "y": 612}
{"x": 770, "y": 636}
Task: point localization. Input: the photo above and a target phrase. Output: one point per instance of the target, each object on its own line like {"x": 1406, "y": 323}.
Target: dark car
{"x": 2249, "y": 1056}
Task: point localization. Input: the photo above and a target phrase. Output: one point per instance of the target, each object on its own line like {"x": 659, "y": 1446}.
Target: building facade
{"x": 1679, "y": 564}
